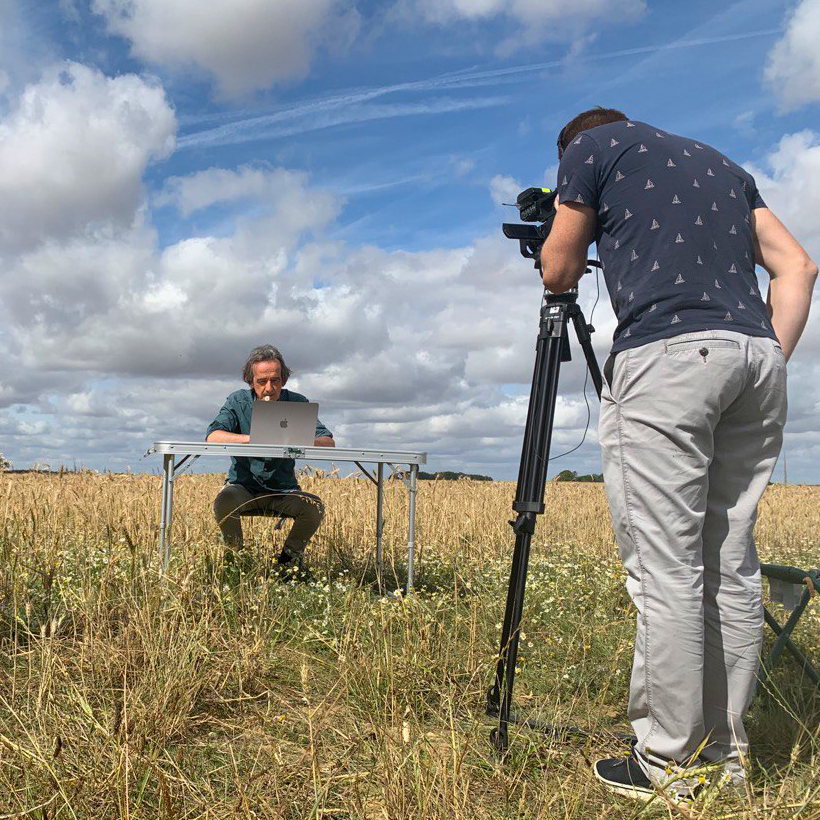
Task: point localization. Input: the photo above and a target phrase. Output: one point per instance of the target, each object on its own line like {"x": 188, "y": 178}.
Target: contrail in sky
{"x": 310, "y": 117}
{"x": 351, "y": 104}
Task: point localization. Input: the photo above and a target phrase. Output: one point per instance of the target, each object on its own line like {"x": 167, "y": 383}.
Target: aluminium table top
{"x": 204, "y": 448}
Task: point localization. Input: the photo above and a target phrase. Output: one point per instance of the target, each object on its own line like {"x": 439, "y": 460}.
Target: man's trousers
{"x": 690, "y": 430}
{"x": 305, "y": 509}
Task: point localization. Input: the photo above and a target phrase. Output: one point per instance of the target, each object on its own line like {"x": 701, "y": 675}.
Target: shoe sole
{"x": 633, "y": 792}
{"x": 641, "y": 793}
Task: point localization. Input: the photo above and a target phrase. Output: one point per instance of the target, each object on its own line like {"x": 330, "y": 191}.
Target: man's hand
{"x": 792, "y": 273}
{"x": 564, "y": 253}
{"x": 324, "y": 441}
{"x": 224, "y": 437}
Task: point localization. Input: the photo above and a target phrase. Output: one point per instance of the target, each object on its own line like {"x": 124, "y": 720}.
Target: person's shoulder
{"x": 603, "y": 135}
{"x": 703, "y": 149}
{"x": 718, "y": 156}
{"x": 290, "y": 395}
{"x": 238, "y": 397}
{"x": 738, "y": 169}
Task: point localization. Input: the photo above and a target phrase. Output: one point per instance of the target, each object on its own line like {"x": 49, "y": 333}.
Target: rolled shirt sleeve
{"x": 226, "y": 419}
{"x": 753, "y": 195}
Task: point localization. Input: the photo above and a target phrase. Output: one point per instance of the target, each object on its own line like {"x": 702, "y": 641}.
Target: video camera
{"x": 534, "y": 205}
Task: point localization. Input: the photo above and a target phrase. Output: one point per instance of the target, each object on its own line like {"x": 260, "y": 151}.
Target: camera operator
{"x": 692, "y": 415}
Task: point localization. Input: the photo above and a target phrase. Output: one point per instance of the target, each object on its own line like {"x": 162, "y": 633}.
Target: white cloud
{"x": 789, "y": 181}
{"x": 504, "y": 189}
{"x": 463, "y": 166}
{"x": 793, "y": 66}
{"x": 291, "y": 205}
{"x": 244, "y": 44}
{"x": 73, "y": 151}
{"x": 744, "y": 124}
{"x": 412, "y": 349}
{"x": 551, "y": 176}
{"x": 540, "y": 14}
{"x": 164, "y": 297}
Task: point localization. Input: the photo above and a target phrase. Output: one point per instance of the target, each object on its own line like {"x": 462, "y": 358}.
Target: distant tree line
{"x": 448, "y": 475}
{"x": 571, "y": 475}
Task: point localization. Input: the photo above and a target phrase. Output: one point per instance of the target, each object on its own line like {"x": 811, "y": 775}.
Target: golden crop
{"x": 124, "y": 694}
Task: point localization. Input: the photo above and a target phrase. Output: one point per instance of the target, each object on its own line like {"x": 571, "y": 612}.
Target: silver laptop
{"x": 284, "y": 422}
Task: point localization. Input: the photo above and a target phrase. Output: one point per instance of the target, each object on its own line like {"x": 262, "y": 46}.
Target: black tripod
{"x": 552, "y": 348}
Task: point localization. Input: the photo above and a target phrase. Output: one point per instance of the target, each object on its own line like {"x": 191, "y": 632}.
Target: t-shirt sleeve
{"x": 752, "y": 194}
{"x": 226, "y": 419}
{"x": 578, "y": 172}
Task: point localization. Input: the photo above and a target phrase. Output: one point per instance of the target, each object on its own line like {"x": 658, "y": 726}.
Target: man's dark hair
{"x": 264, "y": 353}
{"x": 585, "y": 120}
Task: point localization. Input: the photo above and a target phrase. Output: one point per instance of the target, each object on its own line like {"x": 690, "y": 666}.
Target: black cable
{"x": 586, "y": 377}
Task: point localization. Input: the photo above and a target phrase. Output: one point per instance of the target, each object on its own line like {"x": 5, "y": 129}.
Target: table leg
{"x": 411, "y": 524}
{"x": 379, "y": 525}
{"x": 162, "y": 510}
{"x": 167, "y": 510}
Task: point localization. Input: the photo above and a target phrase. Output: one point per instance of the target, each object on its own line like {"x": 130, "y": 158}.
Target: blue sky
{"x": 185, "y": 181}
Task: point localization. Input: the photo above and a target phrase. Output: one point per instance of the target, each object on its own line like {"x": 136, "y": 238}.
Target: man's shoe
{"x": 287, "y": 571}
{"x": 624, "y": 776}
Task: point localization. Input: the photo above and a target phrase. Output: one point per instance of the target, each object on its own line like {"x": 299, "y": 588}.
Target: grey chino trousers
{"x": 690, "y": 430}
{"x": 305, "y": 509}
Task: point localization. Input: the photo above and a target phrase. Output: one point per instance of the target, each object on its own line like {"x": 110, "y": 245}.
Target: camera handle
{"x": 552, "y": 348}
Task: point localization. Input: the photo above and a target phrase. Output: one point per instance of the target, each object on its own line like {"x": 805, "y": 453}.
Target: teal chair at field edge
{"x": 785, "y": 584}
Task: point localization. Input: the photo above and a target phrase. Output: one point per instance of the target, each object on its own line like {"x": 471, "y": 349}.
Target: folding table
{"x": 177, "y": 456}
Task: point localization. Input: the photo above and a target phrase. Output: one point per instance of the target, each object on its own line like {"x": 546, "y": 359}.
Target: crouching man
{"x": 264, "y": 486}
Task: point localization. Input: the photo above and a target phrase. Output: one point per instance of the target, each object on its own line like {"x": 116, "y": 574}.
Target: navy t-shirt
{"x": 674, "y": 231}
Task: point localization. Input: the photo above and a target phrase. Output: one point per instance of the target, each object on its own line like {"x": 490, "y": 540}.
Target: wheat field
{"x": 124, "y": 694}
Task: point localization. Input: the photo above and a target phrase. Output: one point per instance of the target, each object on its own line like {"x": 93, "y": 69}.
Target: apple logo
{"x": 283, "y": 423}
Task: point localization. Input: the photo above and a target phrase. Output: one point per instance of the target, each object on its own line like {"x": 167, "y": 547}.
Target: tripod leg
{"x": 583, "y": 332}
{"x": 533, "y": 410}
{"x": 528, "y": 503}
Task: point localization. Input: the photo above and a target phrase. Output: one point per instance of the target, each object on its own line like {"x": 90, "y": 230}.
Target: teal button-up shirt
{"x": 257, "y": 474}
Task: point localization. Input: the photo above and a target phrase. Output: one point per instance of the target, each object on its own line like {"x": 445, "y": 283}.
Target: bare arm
{"x": 224, "y": 437}
{"x": 792, "y": 275}
{"x": 324, "y": 441}
{"x": 564, "y": 253}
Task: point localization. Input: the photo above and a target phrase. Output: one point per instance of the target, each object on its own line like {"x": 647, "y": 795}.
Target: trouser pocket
{"x": 609, "y": 370}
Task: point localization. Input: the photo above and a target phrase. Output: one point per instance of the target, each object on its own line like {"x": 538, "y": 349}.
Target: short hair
{"x": 264, "y": 353}
{"x": 584, "y": 121}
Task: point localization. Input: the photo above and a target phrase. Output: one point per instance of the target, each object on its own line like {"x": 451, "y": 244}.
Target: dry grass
{"x": 123, "y": 696}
